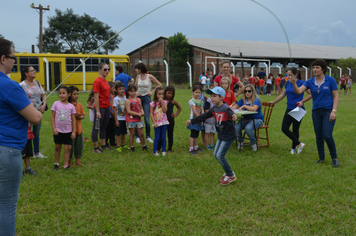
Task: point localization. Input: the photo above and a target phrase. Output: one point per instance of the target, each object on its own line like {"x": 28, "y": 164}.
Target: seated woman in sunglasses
{"x": 249, "y": 102}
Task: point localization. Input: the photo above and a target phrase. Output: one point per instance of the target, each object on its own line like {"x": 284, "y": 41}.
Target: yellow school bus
{"x": 52, "y": 69}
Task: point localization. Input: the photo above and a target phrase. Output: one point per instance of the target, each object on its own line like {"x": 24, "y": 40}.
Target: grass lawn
{"x": 126, "y": 193}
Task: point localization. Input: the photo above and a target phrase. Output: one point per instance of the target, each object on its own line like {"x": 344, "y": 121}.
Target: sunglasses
{"x": 248, "y": 91}
{"x": 106, "y": 69}
{"x": 32, "y": 71}
{"x": 14, "y": 58}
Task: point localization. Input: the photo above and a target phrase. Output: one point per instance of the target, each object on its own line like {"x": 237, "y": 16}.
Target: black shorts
{"x": 343, "y": 86}
{"x": 122, "y": 129}
{"x": 63, "y": 138}
{"x": 194, "y": 133}
{"x": 27, "y": 150}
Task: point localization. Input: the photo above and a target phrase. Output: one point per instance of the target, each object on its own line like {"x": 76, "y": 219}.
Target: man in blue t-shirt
{"x": 121, "y": 76}
{"x": 261, "y": 74}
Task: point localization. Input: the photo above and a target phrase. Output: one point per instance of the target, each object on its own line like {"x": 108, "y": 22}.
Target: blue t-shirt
{"x": 124, "y": 78}
{"x": 257, "y": 102}
{"x": 293, "y": 98}
{"x": 13, "y": 126}
{"x": 322, "y": 95}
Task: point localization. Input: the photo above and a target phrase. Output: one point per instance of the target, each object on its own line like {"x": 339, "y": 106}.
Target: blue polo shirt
{"x": 322, "y": 94}
{"x": 257, "y": 102}
{"x": 124, "y": 78}
{"x": 293, "y": 98}
{"x": 13, "y": 126}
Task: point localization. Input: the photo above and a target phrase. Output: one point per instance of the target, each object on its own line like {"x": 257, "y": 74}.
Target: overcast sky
{"x": 317, "y": 22}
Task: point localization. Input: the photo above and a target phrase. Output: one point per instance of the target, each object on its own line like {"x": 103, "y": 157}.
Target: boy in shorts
{"x": 27, "y": 152}
{"x": 120, "y": 116}
{"x": 209, "y": 125}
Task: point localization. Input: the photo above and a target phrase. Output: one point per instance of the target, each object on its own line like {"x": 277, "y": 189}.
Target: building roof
{"x": 258, "y": 49}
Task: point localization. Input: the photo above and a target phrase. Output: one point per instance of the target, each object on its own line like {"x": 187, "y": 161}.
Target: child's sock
{"x": 190, "y": 148}
{"x": 196, "y": 147}
{"x": 57, "y": 164}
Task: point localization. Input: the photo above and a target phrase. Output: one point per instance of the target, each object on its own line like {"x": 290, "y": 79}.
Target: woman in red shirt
{"x": 101, "y": 91}
{"x": 226, "y": 73}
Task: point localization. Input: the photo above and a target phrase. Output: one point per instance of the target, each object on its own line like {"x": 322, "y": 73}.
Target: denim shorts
{"x": 137, "y": 125}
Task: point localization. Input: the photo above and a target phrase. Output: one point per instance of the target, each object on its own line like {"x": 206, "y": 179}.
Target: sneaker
{"x": 212, "y": 145}
{"x": 199, "y": 149}
{"x": 164, "y": 154}
{"x": 86, "y": 139}
{"x": 156, "y": 154}
{"x": 98, "y": 150}
{"x": 56, "y": 167}
{"x": 119, "y": 149}
{"x": 292, "y": 151}
{"x": 145, "y": 148}
{"x": 30, "y": 171}
{"x": 300, "y": 147}
{"x": 227, "y": 180}
{"x": 335, "y": 163}
{"x": 104, "y": 147}
{"x": 193, "y": 152}
{"x": 39, "y": 155}
{"x": 132, "y": 149}
{"x": 67, "y": 167}
{"x": 209, "y": 148}
{"x": 149, "y": 140}
{"x": 126, "y": 147}
{"x": 138, "y": 140}
{"x": 240, "y": 145}
{"x": 222, "y": 178}
{"x": 254, "y": 147}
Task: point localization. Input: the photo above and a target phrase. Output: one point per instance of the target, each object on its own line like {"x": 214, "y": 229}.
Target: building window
{"x": 29, "y": 61}
{"x": 72, "y": 63}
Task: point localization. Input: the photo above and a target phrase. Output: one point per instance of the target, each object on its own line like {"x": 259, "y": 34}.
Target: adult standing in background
{"x": 323, "y": 89}
{"x": 226, "y": 73}
{"x": 121, "y": 76}
{"x": 16, "y": 110}
{"x": 35, "y": 93}
{"x": 101, "y": 109}
{"x": 262, "y": 74}
{"x": 349, "y": 84}
{"x": 144, "y": 92}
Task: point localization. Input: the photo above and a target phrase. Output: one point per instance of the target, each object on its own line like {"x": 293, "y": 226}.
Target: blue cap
{"x": 217, "y": 90}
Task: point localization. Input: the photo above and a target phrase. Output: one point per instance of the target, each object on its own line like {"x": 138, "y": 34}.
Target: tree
{"x": 67, "y": 31}
{"x": 1, "y": 37}
{"x": 179, "y": 49}
{"x": 342, "y": 63}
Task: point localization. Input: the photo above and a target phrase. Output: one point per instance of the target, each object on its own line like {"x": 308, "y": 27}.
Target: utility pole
{"x": 41, "y": 9}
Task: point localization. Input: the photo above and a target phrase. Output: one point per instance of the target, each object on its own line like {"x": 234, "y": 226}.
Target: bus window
{"x": 15, "y": 67}
{"x": 29, "y": 61}
{"x": 92, "y": 65}
{"x": 72, "y": 63}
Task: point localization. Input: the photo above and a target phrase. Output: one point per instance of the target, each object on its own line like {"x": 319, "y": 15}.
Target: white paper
{"x": 297, "y": 113}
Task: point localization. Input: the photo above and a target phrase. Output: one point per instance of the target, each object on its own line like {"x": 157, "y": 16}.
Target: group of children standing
{"x": 127, "y": 112}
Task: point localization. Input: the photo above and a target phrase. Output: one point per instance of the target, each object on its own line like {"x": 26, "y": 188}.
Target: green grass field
{"x": 276, "y": 193}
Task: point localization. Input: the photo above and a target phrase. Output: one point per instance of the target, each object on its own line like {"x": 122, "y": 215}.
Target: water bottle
{"x": 97, "y": 123}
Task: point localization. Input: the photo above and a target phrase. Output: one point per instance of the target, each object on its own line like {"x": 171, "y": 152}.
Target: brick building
{"x": 154, "y": 52}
